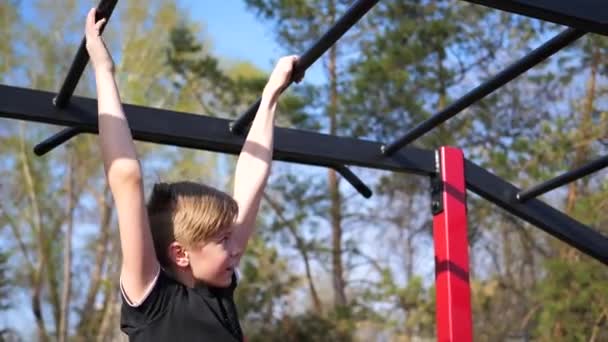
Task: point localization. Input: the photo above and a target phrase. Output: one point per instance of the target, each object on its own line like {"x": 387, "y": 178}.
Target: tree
{"x": 299, "y": 24}
{"x": 574, "y": 307}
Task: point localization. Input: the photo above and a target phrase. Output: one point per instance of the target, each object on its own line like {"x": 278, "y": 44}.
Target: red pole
{"x": 453, "y": 294}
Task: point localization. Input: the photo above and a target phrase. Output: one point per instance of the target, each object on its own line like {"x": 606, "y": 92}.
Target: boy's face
{"x": 213, "y": 261}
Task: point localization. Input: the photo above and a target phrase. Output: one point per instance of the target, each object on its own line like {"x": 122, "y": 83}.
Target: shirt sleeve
{"x": 156, "y": 302}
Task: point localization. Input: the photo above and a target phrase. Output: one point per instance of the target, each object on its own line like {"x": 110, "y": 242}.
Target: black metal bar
{"x": 350, "y": 18}
{"x": 355, "y": 181}
{"x": 104, "y": 10}
{"x": 547, "y": 218}
{"x": 586, "y": 15}
{"x": 563, "y": 179}
{"x": 201, "y": 132}
{"x": 532, "y": 59}
{"x": 212, "y": 134}
{"x": 56, "y": 140}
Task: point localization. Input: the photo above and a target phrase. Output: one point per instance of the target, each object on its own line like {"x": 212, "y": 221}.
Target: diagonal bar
{"x": 104, "y": 10}
{"x": 526, "y": 63}
{"x": 355, "y": 181}
{"x": 563, "y": 179}
{"x": 350, "y": 18}
{"x": 55, "y": 140}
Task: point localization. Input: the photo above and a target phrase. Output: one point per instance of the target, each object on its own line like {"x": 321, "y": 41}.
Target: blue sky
{"x": 235, "y": 31}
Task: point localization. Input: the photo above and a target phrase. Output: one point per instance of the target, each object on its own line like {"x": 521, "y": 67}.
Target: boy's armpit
{"x": 138, "y": 303}
{"x": 157, "y": 301}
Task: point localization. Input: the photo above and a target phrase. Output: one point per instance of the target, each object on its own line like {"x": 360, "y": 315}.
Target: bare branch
{"x": 301, "y": 247}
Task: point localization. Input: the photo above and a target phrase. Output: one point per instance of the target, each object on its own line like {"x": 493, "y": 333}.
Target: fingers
{"x": 284, "y": 73}
{"x": 288, "y": 64}
{"x": 91, "y": 25}
{"x": 91, "y": 17}
{"x": 297, "y": 77}
{"x": 99, "y": 24}
{"x": 288, "y": 61}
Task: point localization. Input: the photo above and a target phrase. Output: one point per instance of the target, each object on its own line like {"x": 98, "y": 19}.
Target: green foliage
{"x": 574, "y": 301}
{"x": 266, "y": 281}
{"x": 415, "y": 302}
{"x": 220, "y": 88}
{"x": 298, "y": 22}
{"x": 9, "y": 17}
{"x": 304, "y": 327}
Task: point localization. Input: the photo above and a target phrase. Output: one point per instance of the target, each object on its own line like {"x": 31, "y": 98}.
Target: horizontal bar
{"x": 206, "y": 133}
{"x": 486, "y": 88}
{"x": 586, "y": 15}
{"x": 350, "y": 18}
{"x": 48, "y": 144}
{"x": 212, "y": 134}
{"x": 70, "y": 132}
{"x": 563, "y": 179}
{"x": 545, "y": 217}
{"x": 104, "y": 10}
{"x": 355, "y": 181}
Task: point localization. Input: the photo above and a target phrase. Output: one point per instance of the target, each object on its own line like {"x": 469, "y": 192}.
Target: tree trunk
{"x": 67, "y": 256}
{"x": 111, "y": 307}
{"x": 334, "y": 186}
{"x": 568, "y": 253}
{"x": 302, "y": 249}
{"x": 101, "y": 255}
{"x": 583, "y": 144}
{"x": 36, "y": 300}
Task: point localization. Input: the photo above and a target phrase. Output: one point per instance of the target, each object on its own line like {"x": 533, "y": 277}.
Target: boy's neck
{"x": 184, "y": 276}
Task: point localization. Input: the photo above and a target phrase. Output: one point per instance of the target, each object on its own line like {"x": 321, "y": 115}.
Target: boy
{"x": 180, "y": 251}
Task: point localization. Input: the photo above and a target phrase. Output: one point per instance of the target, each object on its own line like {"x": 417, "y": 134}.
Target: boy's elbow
{"x": 124, "y": 171}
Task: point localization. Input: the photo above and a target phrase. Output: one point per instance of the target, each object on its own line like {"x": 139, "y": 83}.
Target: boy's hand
{"x": 282, "y": 75}
{"x": 100, "y": 57}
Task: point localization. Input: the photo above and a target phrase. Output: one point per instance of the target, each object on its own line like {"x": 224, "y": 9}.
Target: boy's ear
{"x": 178, "y": 254}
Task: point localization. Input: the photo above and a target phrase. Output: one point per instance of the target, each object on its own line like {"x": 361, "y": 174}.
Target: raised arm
{"x": 253, "y": 166}
{"x": 123, "y": 171}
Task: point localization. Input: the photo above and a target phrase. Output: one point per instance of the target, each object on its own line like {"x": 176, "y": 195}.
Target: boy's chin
{"x": 225, "y": 282}
{"x": 220, "y": 281}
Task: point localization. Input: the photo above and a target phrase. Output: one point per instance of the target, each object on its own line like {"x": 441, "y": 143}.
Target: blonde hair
{"x": 189, "y": 213}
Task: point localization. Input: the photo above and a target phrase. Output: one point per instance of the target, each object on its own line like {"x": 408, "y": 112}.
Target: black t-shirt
{"x": 174, "y": 312}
